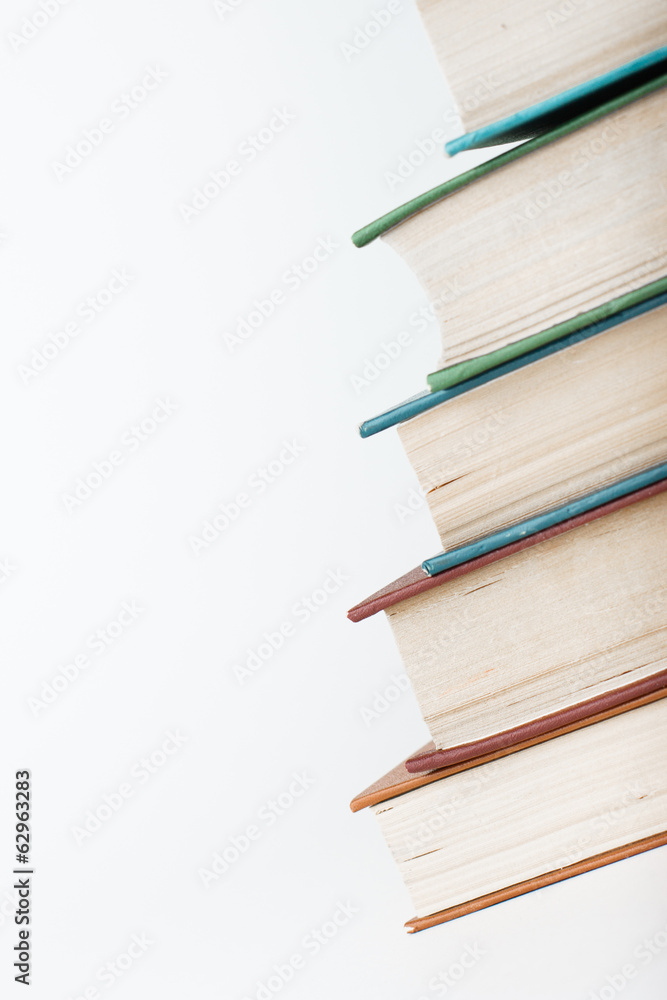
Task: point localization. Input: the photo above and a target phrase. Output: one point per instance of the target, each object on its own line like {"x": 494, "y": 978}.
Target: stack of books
{"x": 535, "y": 642}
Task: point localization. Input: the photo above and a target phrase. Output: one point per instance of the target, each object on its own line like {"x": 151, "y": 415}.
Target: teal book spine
{"x": 452, "y": 382}
{"x": 534, "y": 525}
{"x": 548, "y": 114}
{"x": 394, "y": 218}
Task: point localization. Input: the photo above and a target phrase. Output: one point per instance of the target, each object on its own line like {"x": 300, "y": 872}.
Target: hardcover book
{"x": 500, "y": 58}
{"x": 544, "y": 633}
{"x": 535, "y": 642}
{"x": 585, "y": 205}
{"x": 479, "y": 833}
{"x": 545, "y": 434}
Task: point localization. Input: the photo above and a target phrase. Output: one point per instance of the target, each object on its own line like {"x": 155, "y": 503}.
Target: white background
{"x": 69, "y": 566}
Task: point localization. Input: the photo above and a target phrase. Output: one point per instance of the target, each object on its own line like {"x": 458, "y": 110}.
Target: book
{"x": 482, "y": 243}
{"x": 452, "y": 381}
{"x": 481, "y": 832}
{"x": 546, "y": 632}
{"x": 553, "y": 111}
{"x": 550, "y": 522}
{"x": 545, "y": 434}
{"x": 499, "y": 58}
{"x": 535, "y": 641}
{"x": 554, "y": 338}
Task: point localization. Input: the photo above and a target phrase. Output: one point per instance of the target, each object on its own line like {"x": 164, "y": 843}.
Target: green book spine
{"x": 448, "y": 377}
{"x": 370, "y": 232}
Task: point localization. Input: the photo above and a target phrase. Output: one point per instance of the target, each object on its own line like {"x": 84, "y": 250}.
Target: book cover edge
{"x": 399, "y": 780}
{"x": 539, "y": 882}
{"x": 367, "y": 234}
{"x": 413, "y": 583}
{"x": 529, "y": 121}
{"x": 652, "y": 296}
{"x": 549, "y": 725}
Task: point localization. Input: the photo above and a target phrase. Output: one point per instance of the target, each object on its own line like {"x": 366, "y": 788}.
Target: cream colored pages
{"x": 533, "y": 812}
{"x": 547, "y": 237}
{"x": 546, "y": 628}
{"x": 555, "y": 430}
{"x": 500, "y": 57}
